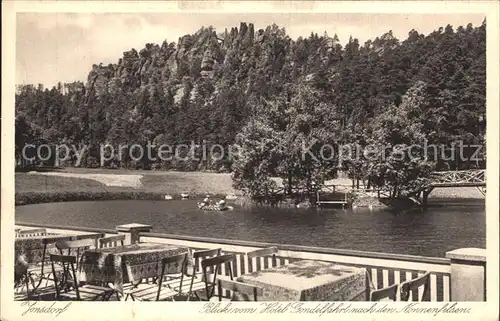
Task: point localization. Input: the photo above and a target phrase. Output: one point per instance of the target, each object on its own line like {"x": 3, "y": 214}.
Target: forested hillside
{"x": 245, "y": 84}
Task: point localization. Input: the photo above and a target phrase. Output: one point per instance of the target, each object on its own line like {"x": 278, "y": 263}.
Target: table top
{"x": 38, "y": 242}
{"x": 127, "y": 263}
{"x": 302, "y": 275}
{"x": 31, "y": 249}
{"x": 132, "y": 254}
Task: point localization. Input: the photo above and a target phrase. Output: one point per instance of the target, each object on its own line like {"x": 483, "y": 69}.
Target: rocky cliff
{"x": 194, "y": 56}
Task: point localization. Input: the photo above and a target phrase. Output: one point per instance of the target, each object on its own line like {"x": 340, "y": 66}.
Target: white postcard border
{"x": 11, "y": 310}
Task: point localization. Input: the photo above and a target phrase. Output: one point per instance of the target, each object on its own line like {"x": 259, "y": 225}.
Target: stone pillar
{"x": 468, "y": 274}
{"x": 131, "y": 231}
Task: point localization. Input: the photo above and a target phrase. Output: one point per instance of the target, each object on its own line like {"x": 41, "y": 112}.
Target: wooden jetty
{"x": 329, "y": 196}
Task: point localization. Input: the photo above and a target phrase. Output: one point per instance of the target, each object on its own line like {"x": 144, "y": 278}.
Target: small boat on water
{"x": 185, "y": 195}
{"x": 168, "y": 197}
{"x": 231, "y": 197}
{"x": 214, "y": 207}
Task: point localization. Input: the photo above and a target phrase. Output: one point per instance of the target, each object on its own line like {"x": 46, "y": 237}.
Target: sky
{"x": 53, "y": 47}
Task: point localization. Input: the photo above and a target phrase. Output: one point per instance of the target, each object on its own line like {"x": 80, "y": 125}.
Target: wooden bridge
{"x": 465, "y": 178}
{"x": 448, "y": 179}
{"x": 441, "y": 179}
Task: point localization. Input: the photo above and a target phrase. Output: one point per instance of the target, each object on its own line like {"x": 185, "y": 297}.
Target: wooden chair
{"x": 273, "y": 250}
{"x": 199, "y": 256}
{"x": 32, "y": 232}
{"x": 21, "y": 279}
{"x": 37, "y": 272}
{"x": 409, "y": 286}
{"x": 243, "y": 289}
{"x": 111, "y": 241}
{"x": 68, "y": 288}
{"x": 389, "y": 292}
{"x": 215, "y": 263}
{"x": 74, "y": 248}
{"x": 197, "y": 283}
{"x": 164, "y": 289}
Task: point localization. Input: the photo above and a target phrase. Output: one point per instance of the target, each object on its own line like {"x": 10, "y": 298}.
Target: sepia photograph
{"x": 228, "y": 156}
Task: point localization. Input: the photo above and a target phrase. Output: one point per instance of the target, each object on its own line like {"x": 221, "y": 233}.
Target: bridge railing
{"x": 383, "y": 269}
{"x": 459, "y": 178}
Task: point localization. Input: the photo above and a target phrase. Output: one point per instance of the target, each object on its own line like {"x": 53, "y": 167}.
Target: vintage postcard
{"x": 224, "y": 159}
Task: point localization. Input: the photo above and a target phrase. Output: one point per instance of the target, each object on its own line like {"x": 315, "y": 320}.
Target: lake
{"x": 431, "y": 233}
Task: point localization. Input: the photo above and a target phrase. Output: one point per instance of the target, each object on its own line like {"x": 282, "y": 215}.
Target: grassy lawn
{"x": 42, "y": 183}
{"x": 155, "y": 182}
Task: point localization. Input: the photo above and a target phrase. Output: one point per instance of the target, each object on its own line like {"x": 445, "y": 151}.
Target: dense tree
{"x": 400, "y": 161}
{"x": 244, "y": 84}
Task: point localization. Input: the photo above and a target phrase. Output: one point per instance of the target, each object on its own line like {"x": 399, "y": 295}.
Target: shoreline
{"x": 100, "y": 184}
{"x": 32, "y": 198}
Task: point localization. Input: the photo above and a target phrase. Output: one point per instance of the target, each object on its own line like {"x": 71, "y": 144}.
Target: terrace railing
{"x": 384, "y": 269}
